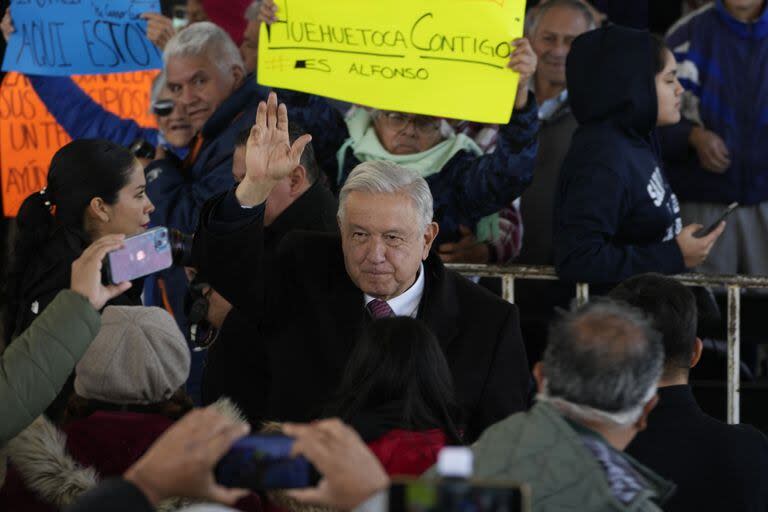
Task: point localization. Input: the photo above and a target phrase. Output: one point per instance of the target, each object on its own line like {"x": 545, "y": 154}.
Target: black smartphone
{"x": 705, "y": 231}
{"x": 264, "y": 461}
{"x": 449, "y": 495}
{"x": 140, "y": 256}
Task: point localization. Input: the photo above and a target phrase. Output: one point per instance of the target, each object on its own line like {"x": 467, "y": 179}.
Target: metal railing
{"x": 733, "y": 284}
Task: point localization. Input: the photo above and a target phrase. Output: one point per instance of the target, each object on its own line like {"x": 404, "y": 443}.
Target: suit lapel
{"x": 439, "y": 308}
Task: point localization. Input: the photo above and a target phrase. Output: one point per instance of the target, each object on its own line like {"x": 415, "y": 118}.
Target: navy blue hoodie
{"x": 615, "y": 214}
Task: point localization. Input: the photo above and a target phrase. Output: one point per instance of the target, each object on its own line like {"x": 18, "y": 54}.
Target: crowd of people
{"x": 310, "y": 292}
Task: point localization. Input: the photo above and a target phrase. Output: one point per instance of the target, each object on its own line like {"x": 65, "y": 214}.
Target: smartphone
{"x": 449, "y": 495}
{"x": 264, "y": 461}
{"x": 705, "y": 231}
{"x": 140, "y": 256}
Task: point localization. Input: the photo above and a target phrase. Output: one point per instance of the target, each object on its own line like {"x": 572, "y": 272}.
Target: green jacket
{"x": 34, "y": 368}
{"x": 544, "y": 450}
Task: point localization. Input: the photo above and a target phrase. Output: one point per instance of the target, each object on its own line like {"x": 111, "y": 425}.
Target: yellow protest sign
{"x": 444, "y": 58}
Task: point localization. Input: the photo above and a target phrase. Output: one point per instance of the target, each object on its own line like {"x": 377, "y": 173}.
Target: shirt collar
{"x": 407, "y": 303}
{"x": 548, "y": 107}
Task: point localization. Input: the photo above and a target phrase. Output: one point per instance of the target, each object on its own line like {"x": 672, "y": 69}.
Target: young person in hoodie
{"x": 615, "y": 214}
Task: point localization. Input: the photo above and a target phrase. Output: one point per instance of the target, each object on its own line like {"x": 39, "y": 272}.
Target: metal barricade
{"x": 733, "y": 284}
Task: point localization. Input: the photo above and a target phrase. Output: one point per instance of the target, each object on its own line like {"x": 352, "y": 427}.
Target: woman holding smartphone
{"x": 615, "y": 214}
{"x": 95, "y": 188}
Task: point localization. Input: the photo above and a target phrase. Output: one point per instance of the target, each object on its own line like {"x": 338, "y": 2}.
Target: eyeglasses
{"x": 398, "y": 121}
{"x": 162, "y": 108}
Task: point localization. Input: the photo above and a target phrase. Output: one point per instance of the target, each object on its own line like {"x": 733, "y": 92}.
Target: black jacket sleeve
{"x": 508, "y": 383}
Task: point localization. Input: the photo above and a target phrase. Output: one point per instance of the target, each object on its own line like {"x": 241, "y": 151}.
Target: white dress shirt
{"x": 407, "y": 303}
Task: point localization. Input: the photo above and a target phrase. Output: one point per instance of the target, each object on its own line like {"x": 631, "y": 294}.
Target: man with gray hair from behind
{"x": 322, "y": 288}
{"x": 597, "y": 385}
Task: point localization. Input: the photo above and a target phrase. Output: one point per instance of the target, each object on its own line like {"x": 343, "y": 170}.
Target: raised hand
{"x": 269, "y": 154}
{"x": 159, "y": 28}
{"x": 268, "y": 12}
{"x": 6, "y": 25}
{"x": 523, "y": 60}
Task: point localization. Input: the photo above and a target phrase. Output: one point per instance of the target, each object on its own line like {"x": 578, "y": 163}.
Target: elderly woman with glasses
{"x": 469, "y": 187}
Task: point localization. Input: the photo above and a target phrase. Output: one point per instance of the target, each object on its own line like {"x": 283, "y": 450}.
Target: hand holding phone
{"x": 262, "y": 462}
{"x": 140, "y": 256}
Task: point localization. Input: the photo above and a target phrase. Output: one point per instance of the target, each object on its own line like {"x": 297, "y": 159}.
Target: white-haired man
{"x": 206, "y": 77}
{"x": 311, "y": 303}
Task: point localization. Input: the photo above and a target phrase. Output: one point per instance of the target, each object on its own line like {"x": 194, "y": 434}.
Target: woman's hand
{"x": 86, "y": 272}
{"x": 523, "y": 60}
{"x": 695, "y": 250}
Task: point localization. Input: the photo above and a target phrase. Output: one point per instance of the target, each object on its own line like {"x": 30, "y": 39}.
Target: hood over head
{"x": 611, "y": 78}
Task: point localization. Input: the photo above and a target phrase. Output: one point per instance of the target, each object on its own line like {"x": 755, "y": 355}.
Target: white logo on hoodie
{"x": 656, "y": 187}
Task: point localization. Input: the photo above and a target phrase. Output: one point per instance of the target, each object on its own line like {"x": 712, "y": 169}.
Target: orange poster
{"x": 29, "y": 135}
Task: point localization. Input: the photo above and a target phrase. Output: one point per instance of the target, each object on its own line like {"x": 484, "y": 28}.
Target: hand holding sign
{"x": 100, "y": 38}
{"x": 159, "y": 28}
{"x": 523, "y": 60}
{"x": 7, "y": 24}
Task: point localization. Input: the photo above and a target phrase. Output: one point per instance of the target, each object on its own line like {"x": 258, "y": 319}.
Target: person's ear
{"x": 538, "y": 375}
{"x": 698, "y": 349}
{"x": 239, "y": 75}
{"x": 99, "y": 210}
{"x": 297, "y": 179}
{"x": 642, "y": 422}
{"x": 430, "y": 233}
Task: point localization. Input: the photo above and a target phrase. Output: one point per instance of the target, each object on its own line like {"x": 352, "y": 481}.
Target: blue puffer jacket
{"x": 467, "y": 188}
{"x": 178, "y": 191}
{"x": 723, "y": 65}
{"x": 83, "y": 118}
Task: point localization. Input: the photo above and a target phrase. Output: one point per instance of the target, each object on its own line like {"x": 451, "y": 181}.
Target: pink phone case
{"x": 142, "y": 255}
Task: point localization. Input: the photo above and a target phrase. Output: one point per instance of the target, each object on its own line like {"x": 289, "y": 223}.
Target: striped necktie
{"x": 379, "y": 309}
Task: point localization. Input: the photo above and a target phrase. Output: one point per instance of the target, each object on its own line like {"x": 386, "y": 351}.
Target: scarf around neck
{"x": 366, "y": 146}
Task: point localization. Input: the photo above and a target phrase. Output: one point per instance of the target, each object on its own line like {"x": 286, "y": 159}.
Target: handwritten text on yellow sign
{"x": 438, "y": 57}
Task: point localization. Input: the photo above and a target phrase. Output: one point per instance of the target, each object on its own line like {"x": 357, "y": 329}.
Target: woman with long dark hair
{"x": 95, "y": 188}
{"x": 398, "y": 393}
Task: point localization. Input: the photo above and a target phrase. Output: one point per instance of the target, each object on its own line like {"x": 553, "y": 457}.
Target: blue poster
{"x": 80, "y": 37}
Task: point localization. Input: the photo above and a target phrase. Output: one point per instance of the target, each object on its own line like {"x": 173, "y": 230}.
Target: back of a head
{"x": 604, "y": 356}
{"x": 139, "y": 357}
{"x": 611, "y": 78}
{"x": 204, "y": 39}
{"x": 384, "y": 177}
{"x": 79, "y": 172}
{"x": 399, "y": 360}
{"x": 671, "y": 308}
